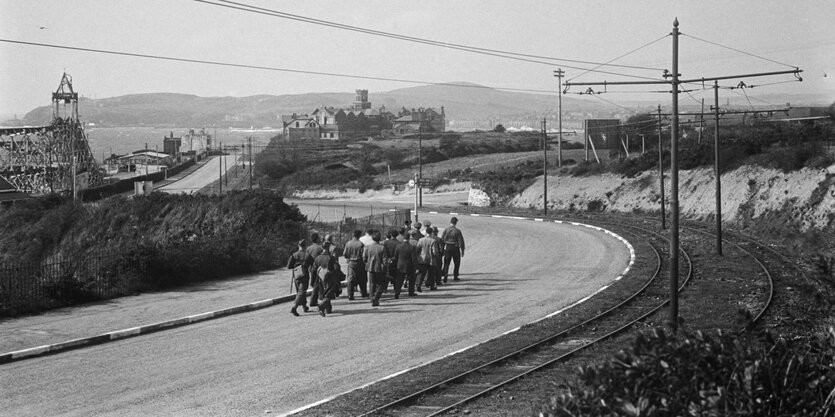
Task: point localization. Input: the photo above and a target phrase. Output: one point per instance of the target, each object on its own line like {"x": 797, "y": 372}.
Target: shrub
{"x": 596, "y": 206}
{"x": 631, "y": 167}
{"x": 706, "y": 375}
{"x": 587, "y": 168}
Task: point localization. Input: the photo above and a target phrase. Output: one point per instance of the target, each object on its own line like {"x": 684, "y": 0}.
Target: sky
{"x": 718, "y": 38}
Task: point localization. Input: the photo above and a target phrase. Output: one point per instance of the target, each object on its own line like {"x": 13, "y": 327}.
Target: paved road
{"x": 200, "y": 178}
{"x": 514, "y": 272}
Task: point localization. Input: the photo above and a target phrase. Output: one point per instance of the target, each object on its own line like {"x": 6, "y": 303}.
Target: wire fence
{"x": 63, "y": 281}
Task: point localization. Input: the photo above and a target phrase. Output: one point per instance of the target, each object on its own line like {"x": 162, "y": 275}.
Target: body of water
{"x": 122, "y": 140}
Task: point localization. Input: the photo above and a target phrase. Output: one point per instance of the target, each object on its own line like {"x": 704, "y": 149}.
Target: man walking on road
{"x": 374, "y": 255}
{"x": 453, "y": 242}
{"x": 404, "y": 253}
{"x": 327, "y": 283}
{"x": 314, "y": 250}
{"x": 437, "y": 255}
{"x": 356, "y": 268}
{"x": 426, "y": 248}
{"x": 390, "y": 262}
{"x": 300, "y": 262}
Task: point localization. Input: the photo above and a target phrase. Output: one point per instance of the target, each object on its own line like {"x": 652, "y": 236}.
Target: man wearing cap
{"x": 373, "y": 255}
{"x": 390, "y": 245}
{"x": 413, "y": 241}
{"x": 437, "y": 255}
{"x": 453, "y": 243}
{"x": 300, "y": 262}
{"x": 426, "y": 252}
{"x": 314, "y": 250}
{"x": 356, "y": 268}
{"x": 417, "y": 229}
{"x": 327, "y": 284}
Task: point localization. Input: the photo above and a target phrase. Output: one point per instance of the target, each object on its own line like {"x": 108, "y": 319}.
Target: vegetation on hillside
{"x": 783, "y": 147}
{"x": 706, "y": 375}
{"x": 54, "y": 251}
{"x": 335, "y": 165}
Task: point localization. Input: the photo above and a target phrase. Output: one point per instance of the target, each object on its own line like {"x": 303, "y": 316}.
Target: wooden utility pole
{"x": 219, "y": 171}
{"x": 559, "y": 73}
{"x": 661, "y": 170}
{"x": 716, "y": 168}
{"x": 675, "y": 82}
{"x": 420, "y": 166}
{"x": 250, "y": 162}
{"x": 674, "y": 243}
{"x": 544, "y": 169}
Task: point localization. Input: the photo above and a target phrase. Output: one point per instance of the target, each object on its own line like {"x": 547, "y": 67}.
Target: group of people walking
{"x": 407, "y": 258}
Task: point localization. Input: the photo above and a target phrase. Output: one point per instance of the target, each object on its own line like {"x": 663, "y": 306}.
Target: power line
{"x": 265, "y": 68}
{"x": 739, "y": 50}
{"x": 619, "y": 57}
{"x": 607, "y": 101}
{"x": 473, "y": 49}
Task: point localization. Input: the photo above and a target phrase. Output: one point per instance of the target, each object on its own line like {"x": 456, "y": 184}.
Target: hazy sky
{"x": 797, "y": 33}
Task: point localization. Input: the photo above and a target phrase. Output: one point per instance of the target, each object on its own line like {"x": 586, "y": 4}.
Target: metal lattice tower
{"x": 53, "y": 158}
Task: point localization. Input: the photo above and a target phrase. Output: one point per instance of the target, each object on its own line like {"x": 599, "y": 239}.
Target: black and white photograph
{"x": 544, "y": 208}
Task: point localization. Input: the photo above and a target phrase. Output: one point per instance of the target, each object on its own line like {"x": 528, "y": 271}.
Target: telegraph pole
{"x": 675, "y": 81}
{"x": 250, "y": 162}
{"x": 559, "y": 73}
{"x": 674, "y": 243}
{"x": 716, "y": 168}
{"x": 420, "y": 165}
{"x": 661, "y": 170}
{"x": 219, "y": 172}
{"x": 544, "y": 169}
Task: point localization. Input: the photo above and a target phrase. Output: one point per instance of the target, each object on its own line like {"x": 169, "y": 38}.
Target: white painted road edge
{"x": 576, "y": 303}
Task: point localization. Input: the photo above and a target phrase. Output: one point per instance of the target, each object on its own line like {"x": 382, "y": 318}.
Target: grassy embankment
{"x": 72, "y": 252}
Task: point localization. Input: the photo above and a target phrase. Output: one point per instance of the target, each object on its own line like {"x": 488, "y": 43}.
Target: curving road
{"x": 514, "y": 272}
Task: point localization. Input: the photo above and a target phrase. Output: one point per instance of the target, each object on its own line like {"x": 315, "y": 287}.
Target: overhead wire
{"x": 486, "y": 51}
{"x": 597, "y": 96}
{"x": 619, "y": 57}
{"x": 738, "y": 50}
{"x": 266, "y": 68}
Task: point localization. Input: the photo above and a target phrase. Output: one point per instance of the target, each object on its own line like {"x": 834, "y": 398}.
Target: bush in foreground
{"x": 707, "y": 375}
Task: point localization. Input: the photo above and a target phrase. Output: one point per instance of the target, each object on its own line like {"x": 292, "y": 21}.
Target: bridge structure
{"x": 55, "y": 158}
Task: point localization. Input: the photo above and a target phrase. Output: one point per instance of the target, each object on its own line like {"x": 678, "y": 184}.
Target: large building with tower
{"x": 332, "y": 123}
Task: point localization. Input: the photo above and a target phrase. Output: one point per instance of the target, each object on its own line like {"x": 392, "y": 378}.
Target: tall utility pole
{"x": 716, "y": 168}
{"x": 674, "y": 203}
{"x": 544, "y": 169}
{"x": 250, "y": 162}
{"x": 225, "y": 167}
{"x": 674, "y": 243}
{"x": 661, "y": 170}
{"x": 559, "y": 73}
{"x": 219, "y": 172}
{"x": 674, "y": 206}
{"x": 420, "y": 166}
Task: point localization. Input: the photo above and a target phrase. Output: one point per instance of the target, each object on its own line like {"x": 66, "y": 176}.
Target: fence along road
{"x": 514, "y": 272}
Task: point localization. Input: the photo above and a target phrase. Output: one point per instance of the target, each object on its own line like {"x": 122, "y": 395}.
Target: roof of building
{"x": 152, "y": 154}
{"x": 409, "y": 118}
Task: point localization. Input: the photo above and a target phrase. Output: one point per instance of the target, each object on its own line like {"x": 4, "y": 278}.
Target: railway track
{"x": 474, "y": 383}
{"x": 454, "y": 392}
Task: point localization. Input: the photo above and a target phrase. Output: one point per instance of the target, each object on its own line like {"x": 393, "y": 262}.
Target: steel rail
{"x": 532, "y": 346}
{"x": 570, "y": 353}
{"x": 770, "y": 299}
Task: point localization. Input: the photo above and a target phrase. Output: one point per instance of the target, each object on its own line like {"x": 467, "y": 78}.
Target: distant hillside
{"x": 183, "y": 110}
{"x": 461, "y": 101}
